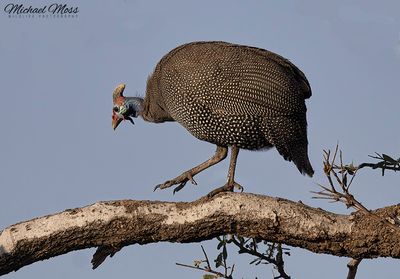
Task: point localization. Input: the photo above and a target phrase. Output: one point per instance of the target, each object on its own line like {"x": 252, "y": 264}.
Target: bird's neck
{"x": 135, "y": 105}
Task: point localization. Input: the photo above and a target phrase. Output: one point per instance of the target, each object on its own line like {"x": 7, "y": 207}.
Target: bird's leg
{"x": 220, "y": 154}
{"x": 230, "y": 184}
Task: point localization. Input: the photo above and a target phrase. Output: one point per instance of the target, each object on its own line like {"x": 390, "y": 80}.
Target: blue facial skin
{"x": 131, "y": 108}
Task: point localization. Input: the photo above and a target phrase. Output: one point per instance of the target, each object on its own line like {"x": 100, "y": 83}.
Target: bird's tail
{"x": 289, "y": 135}
{"x": 301, "y": 160}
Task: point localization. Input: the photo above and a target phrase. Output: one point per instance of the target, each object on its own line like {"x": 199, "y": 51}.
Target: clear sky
{"x": 58, "y": 149}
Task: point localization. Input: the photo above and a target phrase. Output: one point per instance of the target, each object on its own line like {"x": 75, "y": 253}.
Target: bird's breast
{"x": 220, "y": 127}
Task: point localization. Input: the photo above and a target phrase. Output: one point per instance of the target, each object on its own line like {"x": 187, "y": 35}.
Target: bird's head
{"x": 124, "y": 107}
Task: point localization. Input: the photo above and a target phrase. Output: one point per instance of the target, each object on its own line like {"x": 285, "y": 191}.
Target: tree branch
{"x": 353, "y": 265}
{"x": 121, "y": 223}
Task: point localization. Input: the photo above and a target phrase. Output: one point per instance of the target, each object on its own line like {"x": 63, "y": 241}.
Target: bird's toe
{"x": 228, "y": 187}
{"x": 179, "y": 187}
{"x": 238, "y": 186}
{"x": 189, "y": 177}
{"x": 180, "y": 180}
{"x": 164, "y": 185}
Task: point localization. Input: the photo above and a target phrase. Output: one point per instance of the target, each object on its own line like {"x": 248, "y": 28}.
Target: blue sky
{"x": 58, "y": 149}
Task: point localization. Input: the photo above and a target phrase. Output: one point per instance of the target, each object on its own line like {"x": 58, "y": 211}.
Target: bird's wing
{"x": 233, "y": 79}
{"x": 250, "y": 88}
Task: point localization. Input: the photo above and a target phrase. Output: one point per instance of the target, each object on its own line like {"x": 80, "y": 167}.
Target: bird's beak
{"x": 116, "y": 120}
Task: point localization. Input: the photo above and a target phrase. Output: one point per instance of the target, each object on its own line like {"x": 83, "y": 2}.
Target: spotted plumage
{"x": 232, "y": 96}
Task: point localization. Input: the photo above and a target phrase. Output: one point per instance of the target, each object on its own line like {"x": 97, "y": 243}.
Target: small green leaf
{"x": 218, "y": 260}
{"x": 224, "y": 252}
{"x": 210, "y": 276}
{"x": 345, "y": 179}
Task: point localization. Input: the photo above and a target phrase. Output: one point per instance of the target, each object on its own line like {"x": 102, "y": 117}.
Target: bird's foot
{"x": 228, "y": 187}
{"x": 179, "y": 180}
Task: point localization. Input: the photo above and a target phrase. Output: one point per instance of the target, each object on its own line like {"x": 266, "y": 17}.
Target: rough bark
{"x": 125, "y": 222}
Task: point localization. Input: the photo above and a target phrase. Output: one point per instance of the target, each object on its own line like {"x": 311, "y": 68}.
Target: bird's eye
{"x": 116, "y": 109}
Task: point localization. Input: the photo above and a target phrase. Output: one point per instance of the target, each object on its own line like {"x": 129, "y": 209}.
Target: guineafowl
{"x": 230, "y": 95}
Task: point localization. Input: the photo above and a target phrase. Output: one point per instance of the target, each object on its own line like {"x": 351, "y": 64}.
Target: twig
{"x": 278, "y": 261}
{"x": 208, "y": 268}
{"x": 376, "y": 166}
{"x": 386, "y": 163}
{"x": 330, "y": 193}
{"x": 219, "y": 274}
{"x": 205, "y": 255}
{"x": 232, "y": 269}
{"x": 225, "y": 266}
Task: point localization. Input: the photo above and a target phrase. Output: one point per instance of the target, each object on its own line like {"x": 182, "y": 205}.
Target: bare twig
{"x": 331, "y": 193}
{"x": 205, "y": 255}
{"x": 225, "y": 265}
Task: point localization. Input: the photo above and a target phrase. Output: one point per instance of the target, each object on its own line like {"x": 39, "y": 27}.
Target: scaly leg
{"x": 220, "y": 154}
{"x": 230, "y": 184}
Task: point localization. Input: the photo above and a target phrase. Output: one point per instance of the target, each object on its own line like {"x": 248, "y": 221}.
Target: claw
{"x": 180, "y": 181}
{"x": 190, "y": 177}
{"x": 179, "y": 187}
{"x": 164, "y": 185}
{"x": 238, "y": 186}
{"x": 228, "y": 187}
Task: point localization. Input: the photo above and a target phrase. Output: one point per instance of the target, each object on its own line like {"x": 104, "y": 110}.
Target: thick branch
{"x": 121, "y": 223}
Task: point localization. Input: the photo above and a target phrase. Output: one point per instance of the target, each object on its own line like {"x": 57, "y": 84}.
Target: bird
{"x": 233, "y": 96}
